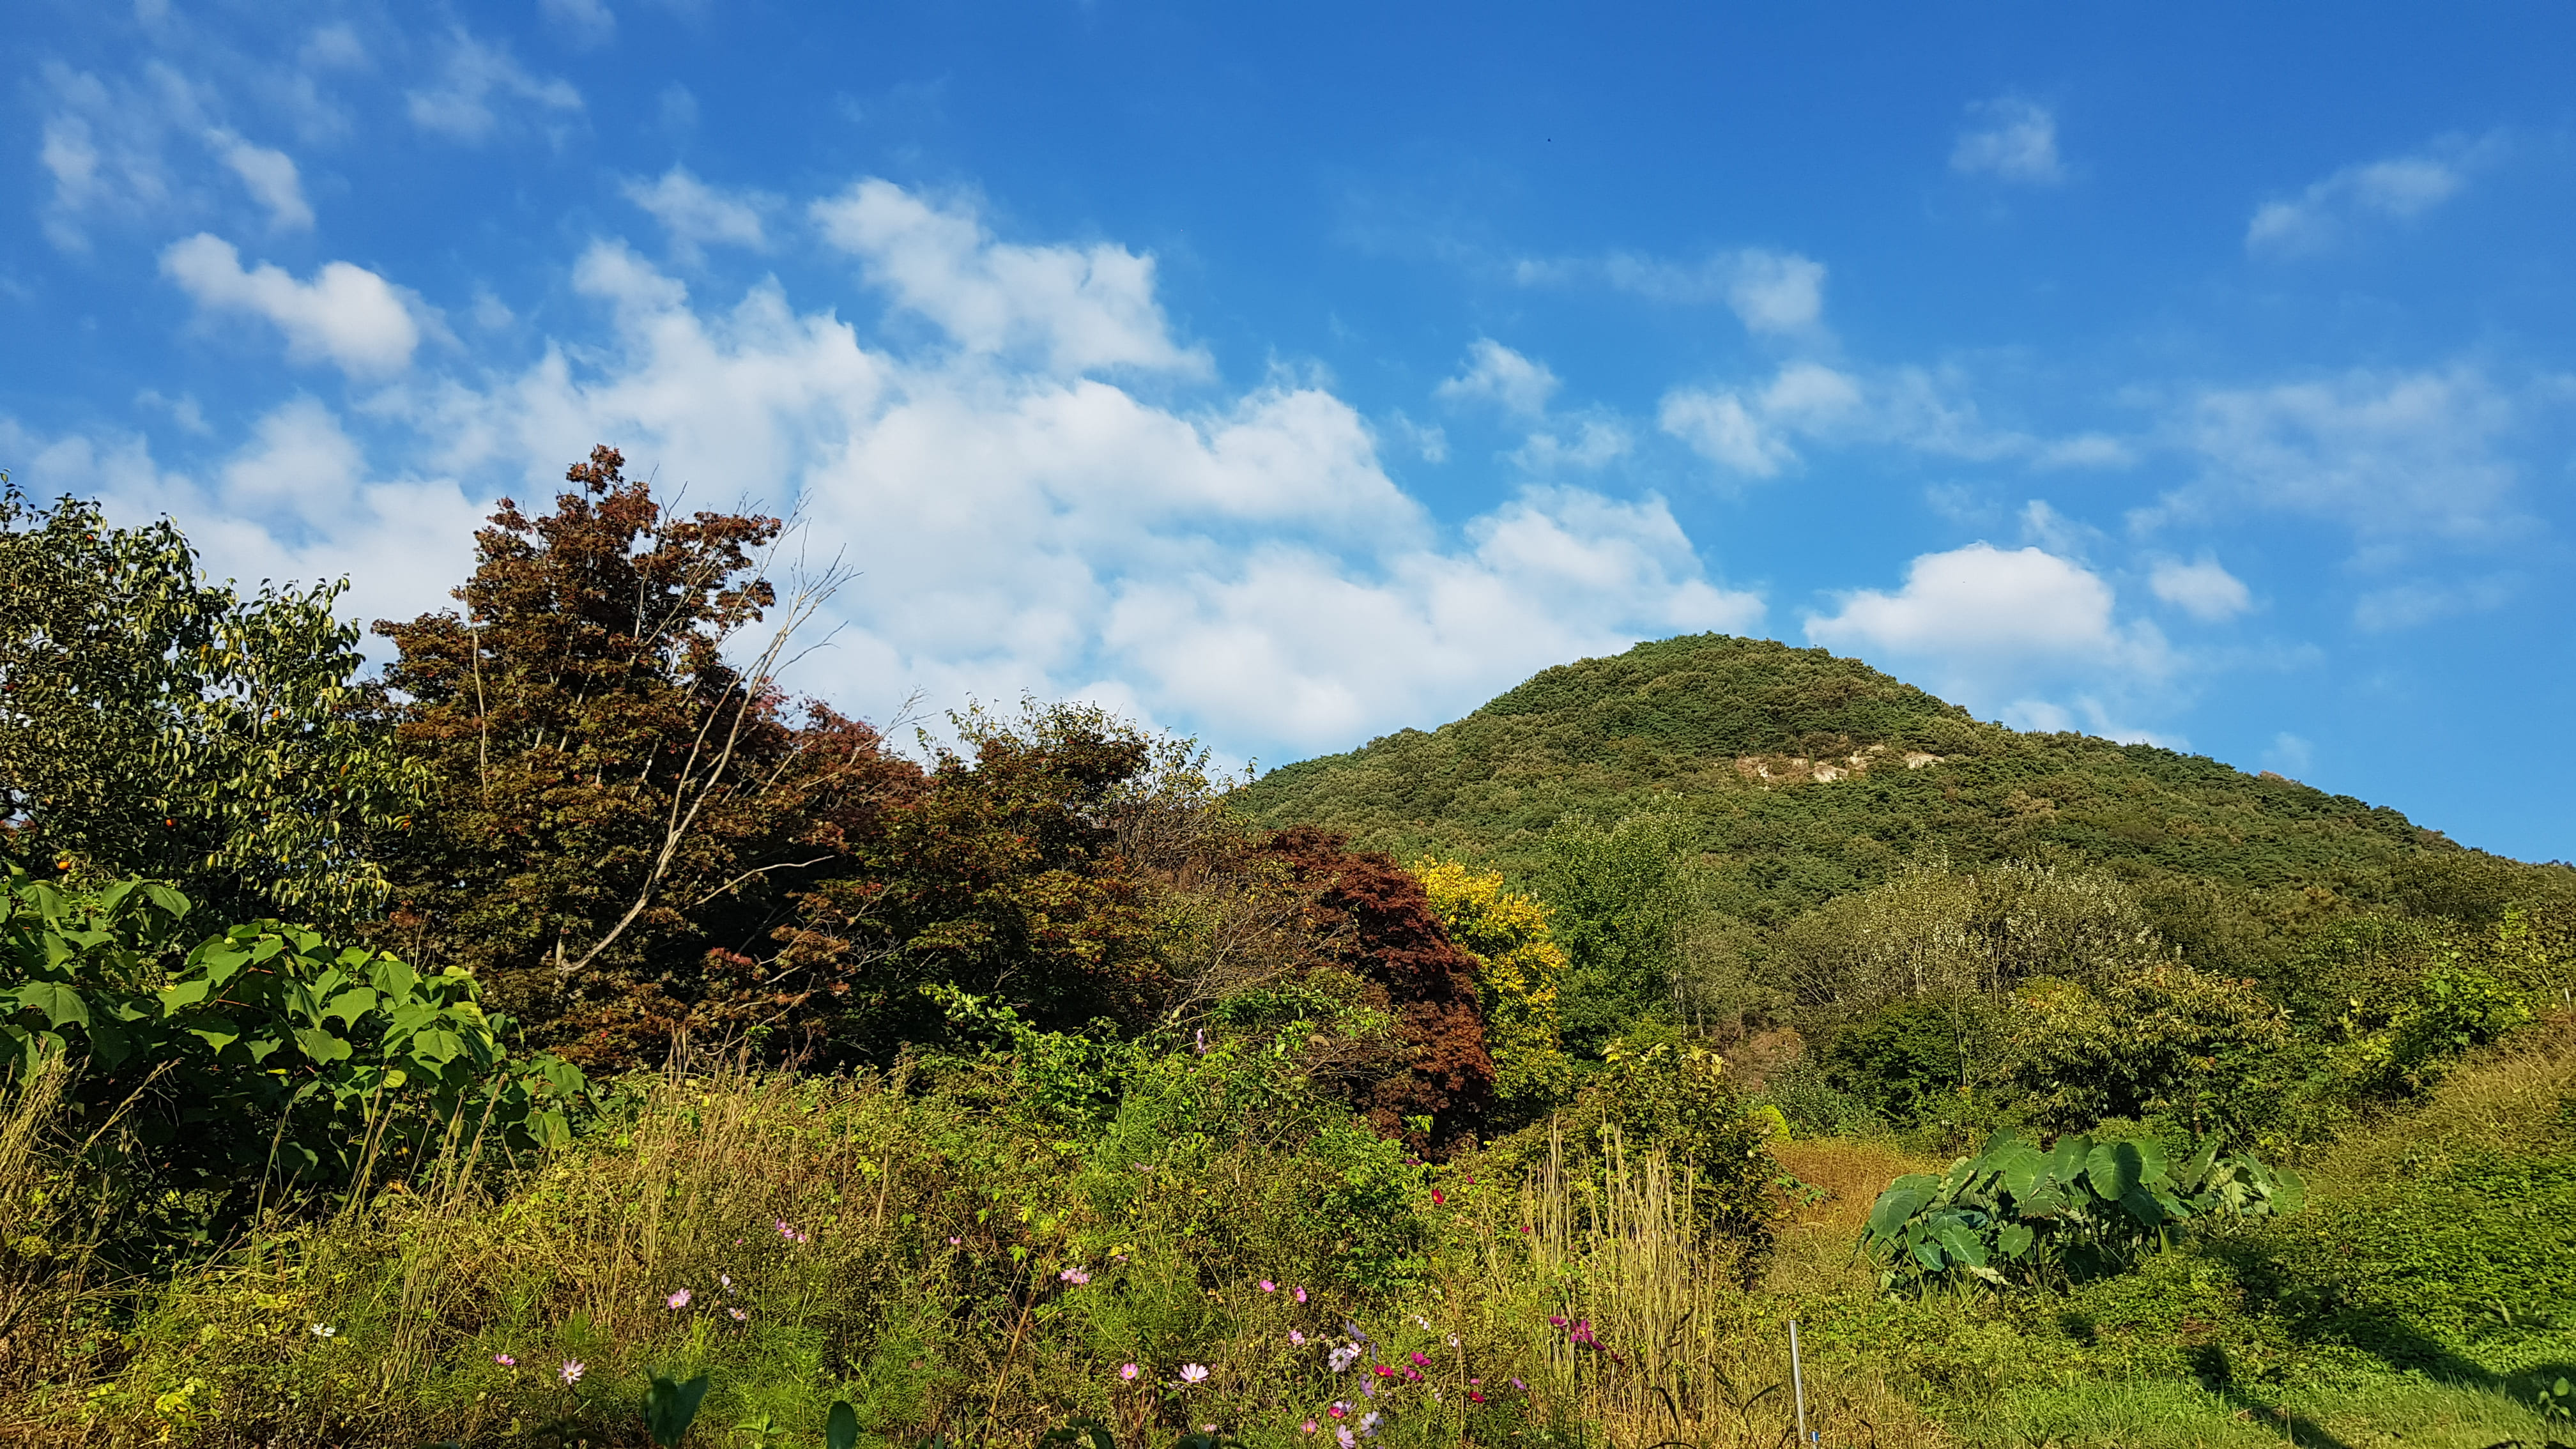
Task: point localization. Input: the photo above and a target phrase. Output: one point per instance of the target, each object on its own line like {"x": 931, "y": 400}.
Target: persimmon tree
{"x": 619, "y": 811}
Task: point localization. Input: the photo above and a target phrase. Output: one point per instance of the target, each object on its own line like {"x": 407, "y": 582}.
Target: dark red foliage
{"x": 1371, "y": 917}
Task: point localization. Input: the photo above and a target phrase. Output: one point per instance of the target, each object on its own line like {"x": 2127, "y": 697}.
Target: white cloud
{"x": 584, "y": 22}
{"x": 1241, "y": 565}
{"x": 2399, "y": 188}
{"x": 2396, "y": 456}
{"x": 477, "y": 82}
{"x": 1497, "y": 375}
{"x": 1716, "y": 425}
{"x": 2421, "y": 601}
{"x": 270, "y": 177}
{"x": 2020, "y": 633}
{"x": 1769, "y": 291}
{"x": 2204, "y": 590}
{"x": 1777, "y": 291}
{"x": 1081, "y": 308}
{"x": 695, "y": 213}
{"x": 346, "y": 313}
{"x": 2289, "y": 755}
{"x": 1596, "y": 443}
{"x": 2014, "y": 140}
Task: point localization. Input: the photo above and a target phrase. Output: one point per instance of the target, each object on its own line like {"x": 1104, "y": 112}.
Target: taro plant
{"x": 671, "y": 1406}
{"x": 2015, "y": 1213}
{"x": 257, "y": 1055}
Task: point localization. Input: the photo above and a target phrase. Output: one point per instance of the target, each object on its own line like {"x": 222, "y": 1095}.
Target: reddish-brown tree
{"x": 618, "y": 815}
{"x": 1370, "y": 916}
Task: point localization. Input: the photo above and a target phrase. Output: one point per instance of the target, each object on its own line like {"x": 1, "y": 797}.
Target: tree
{"x": 1011, "y": 871}
{"x": 153, "y": 724}
{"x": 1370, "y": 916}
{"x": 619, "y": 815}
{"x": 1519, "y": 968}
{"x": 1624, "y": 901}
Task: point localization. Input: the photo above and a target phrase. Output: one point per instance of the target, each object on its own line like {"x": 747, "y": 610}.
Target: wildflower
{"x": 1269, "y": 1287}
{"x": 1521, "y": 1385}
{"x": 1344, "y": 1437}
{"x": 1075, "y": 1276}
{"x": 1192, "y": 1373}
{"x": 1310, "y": 1426}
{"x": 1425, "y": 1323}
{"x": 1368, "y": 1424}
{"x": 1413, "y": 1376}
{"x": 1207, "y": 1428}
{"x": 953, "y": 1242}
{"x": 1343, "y": 1357}
{"x": 1555, "y": 1322}
{"x": 1352, "y": 1331}
{"x": 571, "y": 1372}
{"x": 726, "y": 1280}
{"x": 1419, "y": 1361}
{"x": 679, "y": 1299}
{"x": 1475, "y": 1398}
{"x": 505, "y": 1361}
{"x": 1202, "y": 1047}
{"x": 1298, "y": 1293}
{"x": 1382, "y": 1371}
{"x": 738, "y": 1315}
{"x": 1437, "y": 1200}
{"x": 1296, "y": 1338}
{"x": 324, "y": 1330}
{"x": 1127, "y": 1371}
{"x": 1453, "y": 1340}
{"x": 1368, "y": 1388}
{"x": 1339, "y": 1410}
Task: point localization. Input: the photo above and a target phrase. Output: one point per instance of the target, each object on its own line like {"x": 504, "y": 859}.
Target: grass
{"x": 958, "y": 1263}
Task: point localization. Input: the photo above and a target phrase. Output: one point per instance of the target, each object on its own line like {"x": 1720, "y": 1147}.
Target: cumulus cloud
{"x": 346, "y": 313}
{"x": 1080, "y": 308}
{"x": 1497, "y": 375}
{"x": 696, "y": 214}
{"x": 2205, "y": 590}
{"x": 2393, "y": 455}
{"x": 2022, "y": 634}
{"x": 270, "y": 177}
{"x": 480, "y": 88}
{"x": 2011, "y": 139}
{"x": 2398, "y": 188}
{"x": 1240, "y": 563}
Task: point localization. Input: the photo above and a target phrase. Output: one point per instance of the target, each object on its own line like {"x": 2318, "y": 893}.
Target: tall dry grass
{"x": 1687, "y": 1352}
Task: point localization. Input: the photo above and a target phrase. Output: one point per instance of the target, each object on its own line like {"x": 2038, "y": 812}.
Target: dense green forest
{"x": 557, "y": 1034}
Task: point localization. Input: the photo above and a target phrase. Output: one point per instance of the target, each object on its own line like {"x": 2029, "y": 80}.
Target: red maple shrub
{"x": 1370, "y": 916}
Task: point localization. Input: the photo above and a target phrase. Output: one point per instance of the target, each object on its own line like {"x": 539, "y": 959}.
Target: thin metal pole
{"x": 1798, "y": 1383}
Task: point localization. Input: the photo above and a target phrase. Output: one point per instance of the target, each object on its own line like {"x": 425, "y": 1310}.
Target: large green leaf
{"x": 319, "y": 1046}
{"x": 61, "y": 1005}
{"x": 1902, "y": 1200}
{"x": 1963, "y": 1245}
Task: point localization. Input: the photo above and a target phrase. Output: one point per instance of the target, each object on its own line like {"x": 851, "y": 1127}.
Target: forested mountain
{"x": 1802, "y": 776}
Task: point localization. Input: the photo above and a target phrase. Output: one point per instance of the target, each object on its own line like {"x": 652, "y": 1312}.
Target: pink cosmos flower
{"x": 679, "y": 1299}
{"x": 1269, "y": 1287}
{"x": 1192, "y": 1373}
{"x": 953, "y": 1242}
{"x": 1075, "y": 1276}
{"x": 738, "y": 1315}
{"x": 1339, "y": 1411}
{"x": 1437, "y": 1200}
{"x": 571, "y": 1372}
{"x": 1344, "y": 1437}
{"x": 1295, "y": 1337}
{"x": 1127, "y": 1371}
{"x": 1419, "y": 1361}
{"x": 1310, "y": 1426}
{"x": 1299, "y": 1295}
{"x": 505, "y": 1361}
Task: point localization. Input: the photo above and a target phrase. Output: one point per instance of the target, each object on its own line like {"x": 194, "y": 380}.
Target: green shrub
{"x": 259, "y": 1055}
{"x": 2014, "y": 1213}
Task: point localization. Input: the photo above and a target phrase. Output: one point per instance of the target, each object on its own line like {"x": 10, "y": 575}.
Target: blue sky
{"x": 2200, "y": 374}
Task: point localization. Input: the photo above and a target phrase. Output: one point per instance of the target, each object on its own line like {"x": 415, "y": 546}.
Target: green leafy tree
{"x": 1622, "y": 903}
{"x": 2210, "y": 1053}
{"x": 152, "y": 723}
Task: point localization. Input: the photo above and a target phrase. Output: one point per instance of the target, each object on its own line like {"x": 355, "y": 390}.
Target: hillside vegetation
{"x": 561, "y": 1037}
{"x": 1804, "y": 776}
